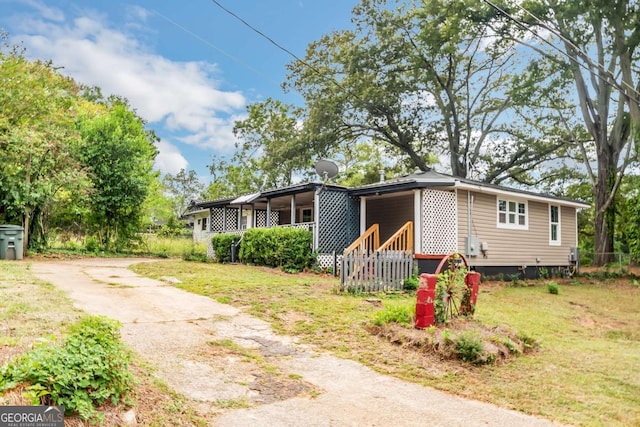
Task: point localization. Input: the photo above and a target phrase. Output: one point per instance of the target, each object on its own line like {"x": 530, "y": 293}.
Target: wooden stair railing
{"x": 368, "y": 242}
{"x": 402, "y": 240}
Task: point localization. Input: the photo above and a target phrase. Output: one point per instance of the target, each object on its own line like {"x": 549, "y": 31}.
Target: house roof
{"x": 435, "y": 179}
{"x": 408, "y": 182}
{"x": 262, "y": 196}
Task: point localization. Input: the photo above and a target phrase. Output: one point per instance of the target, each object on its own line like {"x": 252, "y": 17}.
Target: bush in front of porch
{"x": 288, "y": 248}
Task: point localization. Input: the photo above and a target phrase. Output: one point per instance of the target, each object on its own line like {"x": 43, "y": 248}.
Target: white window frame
{"x": 516, "y": 214}
{"x": 558, "y": 224}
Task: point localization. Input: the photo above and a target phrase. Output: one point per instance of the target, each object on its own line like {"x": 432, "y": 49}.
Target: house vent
{"x": 439, "y": 222}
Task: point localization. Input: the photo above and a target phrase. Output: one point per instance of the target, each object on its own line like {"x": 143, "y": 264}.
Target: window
{"x": 307, "y": 215}
{"x": 204, "y": 224}
{"x": 554, "y": 225}
{"x": 512, "y": 214}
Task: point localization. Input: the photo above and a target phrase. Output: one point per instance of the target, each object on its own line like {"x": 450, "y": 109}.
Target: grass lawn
{"x": 31, "y": 310}
{"x": 586, "y": 372}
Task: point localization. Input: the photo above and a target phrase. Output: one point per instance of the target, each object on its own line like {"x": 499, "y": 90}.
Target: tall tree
{"x": 271, "y": 136}
{"x": 181, "y": 189}
{"x": 118, "y": 153}
{"x": 426, "y": 78}
{"x": 37, "y": 138}
{"x": 599, "y": 40}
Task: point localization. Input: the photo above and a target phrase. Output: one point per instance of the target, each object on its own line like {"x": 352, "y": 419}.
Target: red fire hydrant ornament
{"x": 472, "y": 281}
{"x": 425, "y": 309}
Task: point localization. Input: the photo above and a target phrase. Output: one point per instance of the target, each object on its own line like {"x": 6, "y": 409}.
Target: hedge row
{"x": 287, "y": 248}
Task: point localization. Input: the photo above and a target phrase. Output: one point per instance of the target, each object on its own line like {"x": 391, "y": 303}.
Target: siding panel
{"x": 515, "y": 247}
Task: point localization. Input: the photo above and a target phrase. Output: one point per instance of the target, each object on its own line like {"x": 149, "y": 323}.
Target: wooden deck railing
{"x": 402, "y": 240}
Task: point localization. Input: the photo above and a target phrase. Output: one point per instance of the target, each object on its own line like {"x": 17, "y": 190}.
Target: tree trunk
{"x": 605, "y": 217}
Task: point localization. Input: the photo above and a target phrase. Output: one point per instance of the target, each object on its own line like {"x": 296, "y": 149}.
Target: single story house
{"x": 500, "y": 230}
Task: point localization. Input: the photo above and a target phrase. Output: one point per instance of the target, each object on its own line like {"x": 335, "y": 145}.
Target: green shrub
{"x": 221, "y": 244}
{"x": 287, "y": 248}
{"x": 411, "y": 283}
{"x": 395, "y": 313}
{"x": 91, "y": 367}
{"x": 469, "y": 349}
{"x": 195, "y": 253}
{"x": 553, "y": 288}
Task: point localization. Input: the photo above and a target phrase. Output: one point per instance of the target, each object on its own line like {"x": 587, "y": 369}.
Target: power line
{"x": 210, "y": 44}
{"x": 289, "y": 52}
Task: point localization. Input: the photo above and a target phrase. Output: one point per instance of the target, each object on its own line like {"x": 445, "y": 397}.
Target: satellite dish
{"x": 326, "y": 169}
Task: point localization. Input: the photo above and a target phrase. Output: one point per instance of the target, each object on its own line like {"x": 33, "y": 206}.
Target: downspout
{"x": 469, "y": 220}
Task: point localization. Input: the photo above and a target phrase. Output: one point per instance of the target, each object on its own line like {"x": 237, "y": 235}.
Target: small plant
{"x": 394, "y": 313}
{"x": 91, "y": 367}
{"x": 469, "y": 349}
{"x": 553, "y": 288}
{"x": 195, "y": 253}
{"x": 411, "y": 283}
{"x": 543, "y": 273}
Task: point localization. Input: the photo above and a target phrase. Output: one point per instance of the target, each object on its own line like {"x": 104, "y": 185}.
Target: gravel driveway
{"x": 174, "y": 329}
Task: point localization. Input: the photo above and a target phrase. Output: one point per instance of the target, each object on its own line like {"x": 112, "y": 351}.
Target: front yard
{"x": 584, "y": 373}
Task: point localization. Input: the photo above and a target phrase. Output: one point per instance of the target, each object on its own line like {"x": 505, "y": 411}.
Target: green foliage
{"x": 553, "y": 288}
{"x": 401, "y": 313}
{"x": 118, "y": 153}
{"x": 182, "y": 189}
{"x": 287, "y": 248}
{"x": 37, "y": 140}
{"x": 221, "y": 244}
{"x": 195, "y": 253}
{"x": 91, "y": 367}
{"x": 469, "y": 348}
{"x": 411, "y": 283}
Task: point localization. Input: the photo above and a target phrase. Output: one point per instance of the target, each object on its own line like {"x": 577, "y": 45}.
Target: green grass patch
{"x": 585, "y": 371}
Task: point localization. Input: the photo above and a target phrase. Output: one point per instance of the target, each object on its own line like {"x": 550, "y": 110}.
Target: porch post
{"x": 293, "y": 209}
{"x": 224, "y": 219}
{"x": 363, "y": 215}
{"x": 316, "y": 220}
{"x": 253, "y": 217}
{"x": 239, "y": 227}
{"x": 417, "y": 221}
{"x": 268, "y": 213}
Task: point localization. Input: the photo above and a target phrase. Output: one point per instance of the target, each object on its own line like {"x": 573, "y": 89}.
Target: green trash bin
{"x": 11, "y": 241}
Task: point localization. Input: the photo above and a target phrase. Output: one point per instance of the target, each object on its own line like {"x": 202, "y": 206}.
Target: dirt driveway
{"x": 173, "y": 330}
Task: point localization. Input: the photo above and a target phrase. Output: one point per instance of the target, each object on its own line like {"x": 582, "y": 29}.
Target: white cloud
{"x": 169, "y": 159}
{"x": 183, "y": 97}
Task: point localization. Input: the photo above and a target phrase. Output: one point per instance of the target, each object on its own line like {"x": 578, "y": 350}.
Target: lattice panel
{"x": 353, "y": 219}
{"x": 332, "y": 224}
{"x": 439, "y": 222}
{"x": 232, "y": 219}
{"x": 217, "y": 219}
{"x": 326, "y": 260}
{"x": 261, "y": 218}
{"x": 275, "y": 218}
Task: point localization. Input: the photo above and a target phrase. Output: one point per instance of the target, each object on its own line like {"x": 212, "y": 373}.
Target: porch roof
{"x": 261, "y": 197}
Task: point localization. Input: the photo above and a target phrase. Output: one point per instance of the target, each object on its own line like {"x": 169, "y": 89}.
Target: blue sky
{"x": 187, "y": 67}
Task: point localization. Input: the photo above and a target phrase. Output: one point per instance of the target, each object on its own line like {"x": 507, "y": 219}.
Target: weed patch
{"x": 88, "y": 369}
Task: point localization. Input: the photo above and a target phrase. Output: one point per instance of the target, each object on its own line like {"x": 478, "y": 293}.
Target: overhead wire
{"x": 217, "y": 48}
{"x": 315, "y": 69}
